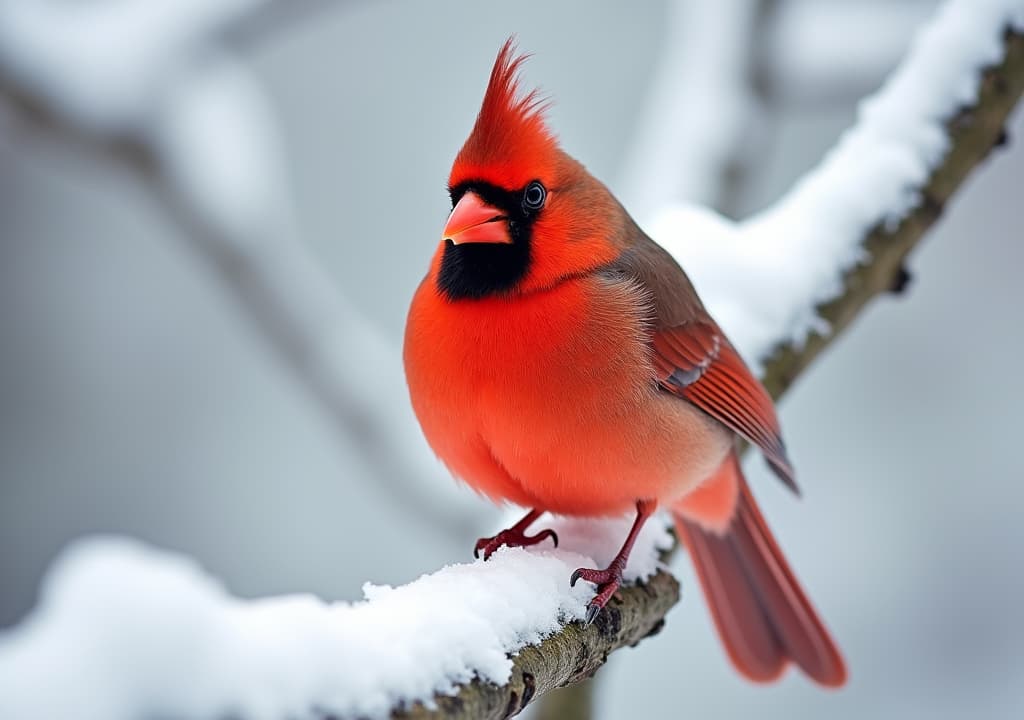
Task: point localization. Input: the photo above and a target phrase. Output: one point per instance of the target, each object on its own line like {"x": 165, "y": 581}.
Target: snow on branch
{"x": 975, "y": 125}
{"x": 124, "y": 632}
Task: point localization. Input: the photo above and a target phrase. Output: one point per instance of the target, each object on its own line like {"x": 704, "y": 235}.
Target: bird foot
{"x": 513, "y": 537}
{"x": 608, "y": 581}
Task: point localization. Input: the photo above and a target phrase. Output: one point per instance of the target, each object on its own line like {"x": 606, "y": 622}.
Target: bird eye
{"x": 534, "y": 196}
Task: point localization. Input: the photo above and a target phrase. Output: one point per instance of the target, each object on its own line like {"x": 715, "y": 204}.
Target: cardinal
{"x": 559, "y": 359}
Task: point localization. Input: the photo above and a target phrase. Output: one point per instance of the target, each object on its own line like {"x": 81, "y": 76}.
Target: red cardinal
{"x": 559, "y": 359}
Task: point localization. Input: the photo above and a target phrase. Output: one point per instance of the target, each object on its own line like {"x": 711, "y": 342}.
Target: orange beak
{"x": 474, "y": 221}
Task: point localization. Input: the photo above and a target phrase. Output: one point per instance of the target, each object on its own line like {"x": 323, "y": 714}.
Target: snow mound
{"x": 123, "y": 630}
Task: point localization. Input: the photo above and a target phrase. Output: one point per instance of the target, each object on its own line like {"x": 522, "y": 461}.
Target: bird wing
{"x": 693, "y": 358}
{"x": 695, "y": 361}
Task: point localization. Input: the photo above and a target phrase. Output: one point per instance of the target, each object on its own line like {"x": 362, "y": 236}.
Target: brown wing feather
{"x": 695, "y": 361}
{"x": 693, "y": 358}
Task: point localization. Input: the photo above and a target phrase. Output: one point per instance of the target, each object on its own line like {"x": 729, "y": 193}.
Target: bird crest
{"x": 510, "y": 143}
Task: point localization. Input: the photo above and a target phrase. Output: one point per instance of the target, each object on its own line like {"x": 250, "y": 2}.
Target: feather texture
{"x": 696, "y": 361}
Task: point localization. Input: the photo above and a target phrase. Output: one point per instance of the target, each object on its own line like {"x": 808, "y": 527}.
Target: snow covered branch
{"x": 569, "y": 656}
{"x": 972, "y": 131}
{"x": 126, "y": 631}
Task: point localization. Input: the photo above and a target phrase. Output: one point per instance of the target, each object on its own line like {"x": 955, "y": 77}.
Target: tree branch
{"x": 569, "y": 656}
{"x": 973, "y": 132}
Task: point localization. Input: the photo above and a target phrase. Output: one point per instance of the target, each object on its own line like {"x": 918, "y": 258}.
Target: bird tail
{"x": 763, "y": 616}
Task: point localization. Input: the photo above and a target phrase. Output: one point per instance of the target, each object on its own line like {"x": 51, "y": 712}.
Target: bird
{"x": 559, "y": 359}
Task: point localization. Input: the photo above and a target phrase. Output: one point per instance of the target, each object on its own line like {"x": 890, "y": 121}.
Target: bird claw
{"x": 511, "y": 538}
{"x": 608, "y": 581}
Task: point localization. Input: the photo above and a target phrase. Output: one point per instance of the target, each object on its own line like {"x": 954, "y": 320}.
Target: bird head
{"x": 525, "y": 215}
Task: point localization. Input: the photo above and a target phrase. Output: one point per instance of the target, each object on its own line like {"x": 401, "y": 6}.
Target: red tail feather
{"x": 763, "y": 616}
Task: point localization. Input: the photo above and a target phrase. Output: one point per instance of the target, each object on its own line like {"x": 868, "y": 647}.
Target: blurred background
{"x": 149, "y": 387}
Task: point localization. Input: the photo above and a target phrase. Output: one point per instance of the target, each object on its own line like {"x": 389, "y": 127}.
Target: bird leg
{"x": 609, "y": 579}
{"x": 515, "y": 536}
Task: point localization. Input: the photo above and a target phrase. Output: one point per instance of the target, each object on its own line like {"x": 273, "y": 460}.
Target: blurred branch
{"x": 344, "y": 364}
{"x": 702, "y": 110}
{"x": 750, "y": 143}
{"x": 570, "y": 656}
{"x": 290, "y": 301}
{"x": 272, "y": 16}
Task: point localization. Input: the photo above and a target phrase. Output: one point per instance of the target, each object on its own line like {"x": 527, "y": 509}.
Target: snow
{"x": 220, "y": 111}
{"x": 103, "y": 63}
{"x": 123, "y": 630}
{"x": 155, "y": 72}
{"x": 762, "y": 278}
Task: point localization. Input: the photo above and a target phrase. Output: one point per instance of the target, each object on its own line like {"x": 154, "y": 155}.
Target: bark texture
{"x": 571, "y": 655}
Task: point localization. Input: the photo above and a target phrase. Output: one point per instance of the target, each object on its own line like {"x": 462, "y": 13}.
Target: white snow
{"x": 217, "y": 138}
{"x": 155, "y": 72}
{"x": 125, "y": 631}
{"x": 103, "y": 63}
{"x": 763, "y": 277}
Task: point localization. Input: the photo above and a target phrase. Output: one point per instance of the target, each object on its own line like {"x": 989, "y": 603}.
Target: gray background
{"x": 136, "y": 398}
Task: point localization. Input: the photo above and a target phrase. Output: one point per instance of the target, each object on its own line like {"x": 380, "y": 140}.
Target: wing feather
{"x": 696, "y": 362}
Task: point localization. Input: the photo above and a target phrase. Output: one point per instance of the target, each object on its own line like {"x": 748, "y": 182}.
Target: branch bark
{"x": 571, "y": 655}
